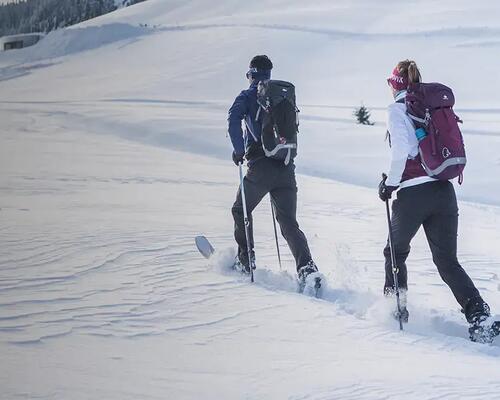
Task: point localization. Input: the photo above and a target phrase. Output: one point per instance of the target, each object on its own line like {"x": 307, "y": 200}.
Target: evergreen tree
{"x": 363, "y": 116}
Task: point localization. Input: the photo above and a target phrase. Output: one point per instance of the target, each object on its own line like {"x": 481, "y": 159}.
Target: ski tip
{"x": 204, "y": 246}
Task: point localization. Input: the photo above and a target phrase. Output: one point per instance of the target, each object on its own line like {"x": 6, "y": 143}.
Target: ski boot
{"x": 309, "y": 278}
{"x": 482, "y": 328}
{"x": 241, "y": 263}
{"x": 402, "y": 313}
{"x": 484, "y": 331}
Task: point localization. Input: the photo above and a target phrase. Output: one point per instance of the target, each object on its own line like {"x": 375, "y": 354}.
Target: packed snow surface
{"x": 113, "y": 157}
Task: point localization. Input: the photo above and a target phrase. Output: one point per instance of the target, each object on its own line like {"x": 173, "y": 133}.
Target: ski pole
{"x": 275, "y": 231}
{"x": 393, "y": 263}
{"x": 246, "y": 221}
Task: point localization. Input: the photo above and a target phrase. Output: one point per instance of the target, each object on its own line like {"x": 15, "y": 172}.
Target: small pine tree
{"x": 363, "y": 116}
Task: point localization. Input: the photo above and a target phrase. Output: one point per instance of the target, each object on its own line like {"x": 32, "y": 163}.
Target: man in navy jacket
{"x": 265, "y": 175}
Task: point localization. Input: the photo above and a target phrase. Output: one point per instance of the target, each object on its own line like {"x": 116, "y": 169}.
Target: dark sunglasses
{"x": 250, "y": 72}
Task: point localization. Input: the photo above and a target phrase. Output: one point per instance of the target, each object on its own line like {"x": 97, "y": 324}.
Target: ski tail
{"x": 204, "y": 246}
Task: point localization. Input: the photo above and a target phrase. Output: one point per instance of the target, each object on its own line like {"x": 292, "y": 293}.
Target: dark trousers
{"x": 433, "y": 205}
{"x": 271, "y": 176}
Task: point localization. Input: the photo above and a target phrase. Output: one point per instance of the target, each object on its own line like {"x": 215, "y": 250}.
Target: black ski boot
{"x": 403, "y": 314}
{"x": 241, "y": 262}
{"x": 309, "y": 277}
{"x": 481, "y": 330}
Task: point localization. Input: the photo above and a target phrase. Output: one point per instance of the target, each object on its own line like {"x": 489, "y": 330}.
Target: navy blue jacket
{"x": 245, "y": 108}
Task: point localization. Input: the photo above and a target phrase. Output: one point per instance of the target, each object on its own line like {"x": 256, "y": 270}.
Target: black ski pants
{"x": 433, "y": 205}
{"x": 265, "y": 176}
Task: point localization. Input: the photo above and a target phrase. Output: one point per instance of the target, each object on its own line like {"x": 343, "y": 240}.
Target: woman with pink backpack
{"x": 427, "y": 150}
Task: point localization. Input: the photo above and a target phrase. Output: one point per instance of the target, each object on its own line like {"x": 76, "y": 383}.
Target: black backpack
{"x": 280, "y": 122}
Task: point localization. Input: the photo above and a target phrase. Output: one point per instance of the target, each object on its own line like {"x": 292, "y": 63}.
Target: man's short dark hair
{"x": 261, "y": 62}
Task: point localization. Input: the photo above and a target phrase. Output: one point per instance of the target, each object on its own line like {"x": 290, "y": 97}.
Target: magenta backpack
{"x": 442, "y": 151}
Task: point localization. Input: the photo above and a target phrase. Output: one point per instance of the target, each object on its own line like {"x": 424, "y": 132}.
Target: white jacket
{"x": 404, "y": 145}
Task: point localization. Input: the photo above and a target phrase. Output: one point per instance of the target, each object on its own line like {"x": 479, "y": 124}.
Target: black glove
{"x": 384, "y": 191}
{"x": 237, "y": 158}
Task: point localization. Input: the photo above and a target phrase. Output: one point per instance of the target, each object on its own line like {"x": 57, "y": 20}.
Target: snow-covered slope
{"x": 113, "y": 157}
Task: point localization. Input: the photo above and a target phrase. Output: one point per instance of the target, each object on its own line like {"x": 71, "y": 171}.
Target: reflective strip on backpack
{"x": 281, "y": 147}
{"x": 421, "y": 120}
{"x": 448, "y": 163}
{"x": 278, "y": 148}
{"x": 287, "y": 159}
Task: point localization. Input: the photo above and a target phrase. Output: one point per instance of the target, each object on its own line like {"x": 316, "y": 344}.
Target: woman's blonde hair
{"x": 409, "y": 70}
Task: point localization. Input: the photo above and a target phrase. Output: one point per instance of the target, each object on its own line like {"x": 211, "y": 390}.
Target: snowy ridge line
{"x": 77, "y": 39}
{"x": 71, "y": 40}
{"x": 445, "y": 32}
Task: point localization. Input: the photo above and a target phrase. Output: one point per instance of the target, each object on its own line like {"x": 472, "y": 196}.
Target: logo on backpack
{"x": 280, "y": 123}
{"x": 442, "y": 150}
